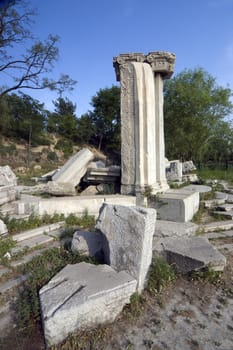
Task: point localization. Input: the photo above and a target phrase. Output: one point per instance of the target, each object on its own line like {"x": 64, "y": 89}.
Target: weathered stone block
{"x": 7, "y": 176}
{"x": 128, "y": 232}
{"x": 174, "y": 170}
{"x": 80, "y": 296}
{"x": 88, "y": 243}
{"x": 176, "y": 205}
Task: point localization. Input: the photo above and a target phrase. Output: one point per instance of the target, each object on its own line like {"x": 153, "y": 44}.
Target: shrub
{"x": 52, "y": 156}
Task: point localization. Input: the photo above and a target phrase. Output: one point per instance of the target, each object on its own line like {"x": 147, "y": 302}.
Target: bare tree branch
{"x": 31, "y": 69}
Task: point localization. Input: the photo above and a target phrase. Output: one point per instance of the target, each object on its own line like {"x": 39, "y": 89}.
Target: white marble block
{"x": 128, "y": 235}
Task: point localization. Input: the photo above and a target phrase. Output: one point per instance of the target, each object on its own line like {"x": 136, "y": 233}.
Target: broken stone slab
{"x": 188, "y": 167}
{"x": 60, "y": 189}
{"x": 88, "y": 243}
{"x": 175, "y": 205}
{"x": 193, "y": 178}
{"x": 170, "y": 228}
{"x": 7, "y": 176}
{"x": 128, "y": 234}
{"x": 217, "y": 226}
{"x": 83, "y": 295}
{"x": 174, "y": 170}
{"x": 192, "y": 254}
{"x": 75, "y": 168}
{"x": 3, "y": 228}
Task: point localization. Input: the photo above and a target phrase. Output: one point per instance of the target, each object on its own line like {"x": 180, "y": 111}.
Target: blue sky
{"x": 199, "y": 32}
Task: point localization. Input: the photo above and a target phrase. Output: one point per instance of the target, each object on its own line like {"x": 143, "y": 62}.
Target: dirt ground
{"x": 190, "y": 314}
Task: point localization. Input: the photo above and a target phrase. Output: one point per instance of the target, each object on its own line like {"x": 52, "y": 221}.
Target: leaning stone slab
{"x": 83, "y": 295}
{"x": 194, "y": 253}
{"x": 75, "y": 168}
{"x": 128, "y": 235}
{"x": 87, "y": 243}
{"x": 170, "y": 229}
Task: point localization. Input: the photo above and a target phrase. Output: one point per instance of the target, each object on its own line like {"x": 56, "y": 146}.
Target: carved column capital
{"x": 125, "y": 58}
{"x": 162, "y": 62}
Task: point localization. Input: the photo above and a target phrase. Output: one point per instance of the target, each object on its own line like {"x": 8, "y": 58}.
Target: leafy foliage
{"x": 193, "y": 110}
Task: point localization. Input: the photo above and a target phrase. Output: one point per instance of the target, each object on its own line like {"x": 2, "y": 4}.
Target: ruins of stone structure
{"x": 142, "y": 131}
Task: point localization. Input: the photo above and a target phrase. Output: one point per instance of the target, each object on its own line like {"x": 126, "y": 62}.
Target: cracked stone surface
{"x": 83, "y": 295}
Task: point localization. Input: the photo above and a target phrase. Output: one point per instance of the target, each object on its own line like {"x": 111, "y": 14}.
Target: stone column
{"x": 142, "y": 135}
{"x": 162, "y": 65}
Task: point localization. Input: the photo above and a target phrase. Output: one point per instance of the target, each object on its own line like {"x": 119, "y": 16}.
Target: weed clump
{"x": 6, "y": 244}
{"x": 207, "y": 275}
{"x": 160, "y": 275}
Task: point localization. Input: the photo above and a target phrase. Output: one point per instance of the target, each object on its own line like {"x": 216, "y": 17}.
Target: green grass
{"x": 218, "y": 174}
{"x": 160, "y": 274}
{"x": 40, "y": 270}
{"x": 6, "y": 244}
{"x": 16, "y": 226}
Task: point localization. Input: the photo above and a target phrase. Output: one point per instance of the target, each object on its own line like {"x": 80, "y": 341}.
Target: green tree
{"x": 85, "y": 129}
{"x": 106, "y": 118}
{"x": 31, "y": 69}
{"x": 27, "y": 118}
{"x": 63, "y": 121}
{"x": 220, "y": 145}
{"x": 193, "y": 106}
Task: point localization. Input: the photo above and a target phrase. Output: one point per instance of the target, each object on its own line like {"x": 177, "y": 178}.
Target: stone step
{"x": 230, "y": 198}
{"x": 28, "y": 257}
{"x": 12, "y": 283}
{"x": 216, "y": 235}
{"x": 221, "y": 198}
{"x": 38, "y": 231}
{"x": 225, "y": 214}
{"x": 217, "y": 226}
{"x": 4, "y": 270}
{"x": 228, "y": 247}
{"x": 225, "y": 207}
{"x": 32, "y": 242}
